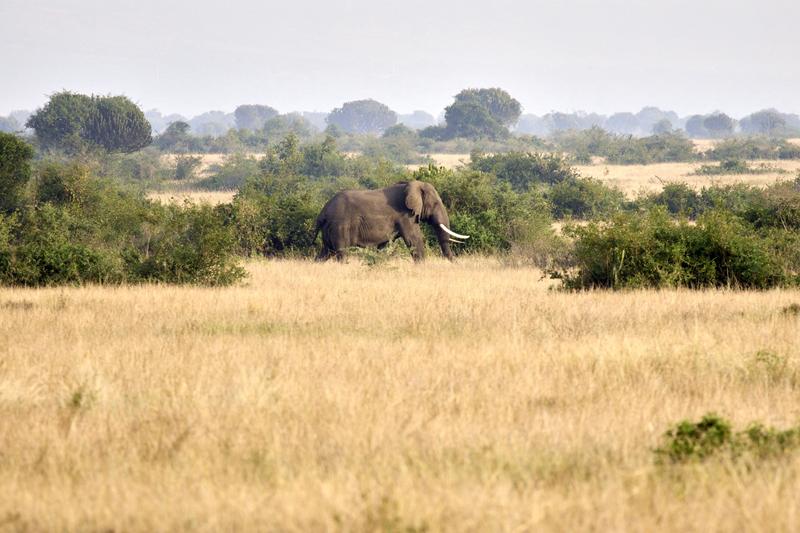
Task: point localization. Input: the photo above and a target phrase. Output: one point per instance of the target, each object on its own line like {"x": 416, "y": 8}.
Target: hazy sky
{"x": 693, "y": 56}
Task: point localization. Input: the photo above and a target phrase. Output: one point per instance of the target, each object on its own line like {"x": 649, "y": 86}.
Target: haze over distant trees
{"x": 71, "y": 122}
{"x": 253, "y": 117}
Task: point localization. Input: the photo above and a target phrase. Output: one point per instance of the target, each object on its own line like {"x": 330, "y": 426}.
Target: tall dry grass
{"x": 440, "y": 397}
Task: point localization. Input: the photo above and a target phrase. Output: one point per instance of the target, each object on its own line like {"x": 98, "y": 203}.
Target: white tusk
{"x": 453, "y": 233}
{"x": 456, "y": 240}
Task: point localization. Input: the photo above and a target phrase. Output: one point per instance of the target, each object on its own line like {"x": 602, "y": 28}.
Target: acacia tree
{"x": 362, "y": 116}
{"x": 74, "y": 122}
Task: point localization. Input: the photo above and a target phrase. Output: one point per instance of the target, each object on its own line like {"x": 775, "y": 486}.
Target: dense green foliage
{"x": 75, "y": 122}
{"x": 651, "y": 250}
{"x": 77, "y": 228}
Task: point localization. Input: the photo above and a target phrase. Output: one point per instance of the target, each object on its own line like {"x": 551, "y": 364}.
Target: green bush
{"x": 232, "y": 173}
{"x": 525, "y": 170}
{"x": 495, "y": 216}
{"x": 750, "y": 148}
{"x": 584, "y": 198}
{"x": 189, "y": 244}
{"x": 77, "y": 228}
{"x": 713, "y": 436}
{"x": 186, "y": 165}
{"x": 735, "y": 166}
{"x": 639, "y": 250}
{"x": 678, "y": 199}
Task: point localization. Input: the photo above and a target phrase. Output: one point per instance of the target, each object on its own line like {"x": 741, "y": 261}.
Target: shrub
{"x": 678, "y": 199}
{"x": 276, "y": 215}
{"x": 651, "y": 250}
{"x": 494, "y": 215}
{"x": 525, "y": 170}
{"x": 78, "y": 229}
{"x": 186, "y": 165}
{"x": 735, "y": 166}
{"x": 750, "y": 148}
{"x": 713, "y": 436}
{"x": 584, "y": 198}
{"x": 232, "y": 173}
{"x": 190, "y": 244}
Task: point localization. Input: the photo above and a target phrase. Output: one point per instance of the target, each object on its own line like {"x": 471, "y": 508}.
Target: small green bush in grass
{"x": 713, "y": 436}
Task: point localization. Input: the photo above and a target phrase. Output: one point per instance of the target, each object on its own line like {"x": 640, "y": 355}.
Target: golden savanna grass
{"x": 441, "y": 397}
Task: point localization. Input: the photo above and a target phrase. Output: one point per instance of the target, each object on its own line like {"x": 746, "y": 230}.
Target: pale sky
{"x": 691, "y": 56}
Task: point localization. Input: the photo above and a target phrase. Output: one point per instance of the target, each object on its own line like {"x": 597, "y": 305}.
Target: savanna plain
{"x": 395, "y": 397}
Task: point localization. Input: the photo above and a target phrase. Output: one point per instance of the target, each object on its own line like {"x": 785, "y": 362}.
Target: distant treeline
{"x": 489, "y": 113}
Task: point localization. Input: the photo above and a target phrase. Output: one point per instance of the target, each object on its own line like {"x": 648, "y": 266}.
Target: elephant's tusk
{"x": 453, "y": 233}
{"x": 457, "y": 241}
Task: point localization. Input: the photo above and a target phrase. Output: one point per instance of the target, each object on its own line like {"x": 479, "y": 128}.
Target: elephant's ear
{"x": 414, "y": 197}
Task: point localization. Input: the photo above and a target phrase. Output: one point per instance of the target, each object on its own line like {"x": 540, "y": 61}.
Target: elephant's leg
{"x": 412, "y": 236}
{"x": 324, "y": 254}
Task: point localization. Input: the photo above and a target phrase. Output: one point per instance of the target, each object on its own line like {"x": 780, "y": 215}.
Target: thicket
{"x": 653, "y": 250}
{"x": 74, "y": 227}
{"x": 569, "y": 195}
{"x": 750, "y": 148}
{"x": 625, "y": 149}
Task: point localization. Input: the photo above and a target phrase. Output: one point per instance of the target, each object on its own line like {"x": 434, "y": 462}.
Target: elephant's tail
{"x": 318, "y": 226}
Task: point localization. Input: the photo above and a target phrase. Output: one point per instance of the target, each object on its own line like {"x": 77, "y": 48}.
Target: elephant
{"x": 376, "y": 217}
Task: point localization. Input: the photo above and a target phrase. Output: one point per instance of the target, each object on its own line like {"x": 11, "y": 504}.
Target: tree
{"x": 74, "y": 122}
{"x": 15, "y": 169}
{"x": 253, "y": 117}
{"x": 471, "y": 120}
{"x": 696, "y": 127}
{"x": 718, "y": 125}
{"x": 625, "y": 123}
{"x": 765, "y": 122}
{"x": 61, "y": 122}
{"x": 362, "y": 116}
{"x": 175, "y": 137}
{"x": 417, "y": 120}
{"x": 118, "y": 125}
{"x": 500, "y": 105}
{"x": 662, "y": 126}
{"x": 281, "y": 126}
{"x": 649, "y": 116}
{"x": 8, "y": 124}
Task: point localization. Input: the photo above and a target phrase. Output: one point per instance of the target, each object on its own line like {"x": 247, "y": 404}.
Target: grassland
{"x": 440, "y": 397}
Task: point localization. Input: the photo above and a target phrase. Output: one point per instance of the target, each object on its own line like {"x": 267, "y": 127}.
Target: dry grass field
{"x": 632, "y": 179}
{"x": 437, "y": 397}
